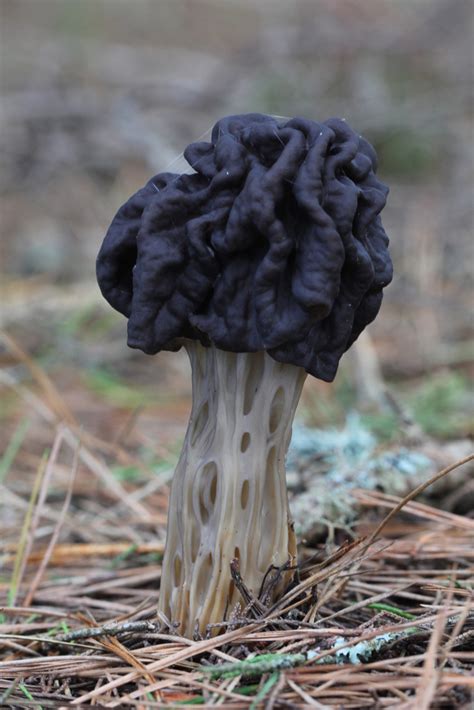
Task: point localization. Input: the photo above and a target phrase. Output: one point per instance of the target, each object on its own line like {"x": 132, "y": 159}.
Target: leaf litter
{"x": 379, "y": 614}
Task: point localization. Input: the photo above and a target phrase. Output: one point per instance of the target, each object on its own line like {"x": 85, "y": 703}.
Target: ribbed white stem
{"x": 228, "y": 495}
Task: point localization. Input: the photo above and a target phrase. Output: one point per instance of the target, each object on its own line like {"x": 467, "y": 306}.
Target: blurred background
{"x": 97, "y": 95}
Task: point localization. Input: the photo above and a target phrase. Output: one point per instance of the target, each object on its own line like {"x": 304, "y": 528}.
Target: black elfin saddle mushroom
{"x": 267, "y": 261}
{"x": 274, "y": 243}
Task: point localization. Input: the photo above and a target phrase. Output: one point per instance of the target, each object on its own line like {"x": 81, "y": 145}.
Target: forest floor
{"x": 378, "y": 615}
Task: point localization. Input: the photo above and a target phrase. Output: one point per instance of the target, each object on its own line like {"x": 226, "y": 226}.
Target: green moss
{"x": 441, "y": 405}
{"x": 384, "y": 425}
{"x": 127, "y": 473}
{"x": 274, "y": 93}
{"x": 87, "y": 323}
{"x": 114, "y": 390}
{"x": 407, "y": 154}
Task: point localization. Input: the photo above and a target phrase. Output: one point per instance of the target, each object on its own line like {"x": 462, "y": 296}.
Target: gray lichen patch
{"x": 324, "y": 466}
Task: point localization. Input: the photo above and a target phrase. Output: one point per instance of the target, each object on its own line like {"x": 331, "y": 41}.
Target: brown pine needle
{"x": 64, "y": 553}
{"x": 413, "y": 494}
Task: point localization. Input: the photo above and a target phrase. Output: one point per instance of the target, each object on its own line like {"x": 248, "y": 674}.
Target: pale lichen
{"x": 322, "y": 461}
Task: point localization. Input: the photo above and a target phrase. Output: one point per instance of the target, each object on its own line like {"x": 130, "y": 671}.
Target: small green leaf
{"x": 380, "y": 606}
{"x": 26, "y": 692}
{"x": 13, "y": 447}
{"x": 265, "y": 689}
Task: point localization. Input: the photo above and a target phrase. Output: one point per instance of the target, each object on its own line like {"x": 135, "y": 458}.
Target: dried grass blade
{"x": 98, "y": 468}
{"x": 104, "y": 474}
{"x": 57, "y": 529}
{"x": 54, "y": 398}
{"x": 21, "y": 555}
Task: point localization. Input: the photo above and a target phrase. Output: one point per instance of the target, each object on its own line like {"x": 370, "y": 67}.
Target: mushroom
{"x": 265, "y": 263}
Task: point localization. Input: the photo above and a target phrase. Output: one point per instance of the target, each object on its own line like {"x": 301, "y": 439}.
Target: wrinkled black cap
{"x": 274, "y": 243}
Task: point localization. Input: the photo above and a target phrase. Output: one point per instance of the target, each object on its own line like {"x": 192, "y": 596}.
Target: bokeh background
{"x": 97, "y": 95}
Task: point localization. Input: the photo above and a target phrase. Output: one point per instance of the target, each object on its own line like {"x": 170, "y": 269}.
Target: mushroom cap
{"x": 273, "y": 243}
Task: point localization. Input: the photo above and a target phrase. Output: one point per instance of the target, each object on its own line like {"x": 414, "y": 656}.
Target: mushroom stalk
{"x": 228, "y": 495}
